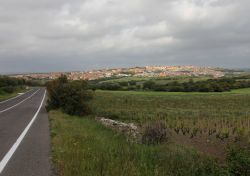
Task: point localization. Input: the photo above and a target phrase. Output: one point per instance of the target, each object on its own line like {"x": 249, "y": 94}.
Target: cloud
{"x": 75, "y": 35}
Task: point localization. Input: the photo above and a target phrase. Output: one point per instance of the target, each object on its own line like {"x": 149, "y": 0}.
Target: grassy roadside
{"x": 5, "y": 96}
{"x": 81, "y": 146}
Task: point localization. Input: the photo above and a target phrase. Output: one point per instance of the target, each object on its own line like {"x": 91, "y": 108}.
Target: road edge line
{"x": 15, "y": 146}
{"x": 1, "y": 102}
{"x": 19, "y": 102}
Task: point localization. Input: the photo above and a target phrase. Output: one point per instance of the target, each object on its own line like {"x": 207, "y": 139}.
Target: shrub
{"x": 71, "y": 97}
{"x": 132, "y": 83}
{"x": 8, "y": 89}
{"x": 109, "y": 86}
{"x": 122, "y": 84}
{"x": 154, "y": 133}
{"x": 8, "y": 81}
{"x": 74, "y": 99}
{"x": 148, "y": 85}
{"x": 239, "y": 161}
{"x": 222, "y": 134}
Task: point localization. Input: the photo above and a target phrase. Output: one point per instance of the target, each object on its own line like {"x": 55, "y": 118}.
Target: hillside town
{"x": 148, "y": 71}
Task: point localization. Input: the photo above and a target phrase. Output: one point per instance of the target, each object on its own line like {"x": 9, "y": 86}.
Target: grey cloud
{"x": 74, "y": 35}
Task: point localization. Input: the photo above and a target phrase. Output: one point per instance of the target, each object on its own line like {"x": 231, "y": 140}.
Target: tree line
{"x": 210, "y": 85}
{"x": 9, "y": 84}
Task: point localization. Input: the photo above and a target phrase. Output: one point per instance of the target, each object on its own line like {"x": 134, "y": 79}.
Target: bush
{"x": 122, "y": 84}
{"x": 71, "y": 97}
{"x": 9, "y": 84}
{"x": 154, "y": 133}
{"x": 148, "y": 85}
{"x": 110, "y": 86}
{"x": 8, "y": 89}
{"x": 132, "y": 83}
{"x": 239, "y": 161}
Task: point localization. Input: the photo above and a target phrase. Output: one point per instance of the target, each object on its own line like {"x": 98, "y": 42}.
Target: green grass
{"x": 129, "y": 105}
{"x": 83, "y": 147}
{"x": 217, "y": 112}
{"x": 5, "y": 96}
{"x": 241, "y": 91}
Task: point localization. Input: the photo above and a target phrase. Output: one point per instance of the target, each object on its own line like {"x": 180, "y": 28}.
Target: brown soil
{"x": 209, "y": 145}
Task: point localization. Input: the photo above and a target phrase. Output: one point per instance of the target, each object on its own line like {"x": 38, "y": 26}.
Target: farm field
{"x": 200, "y": 120}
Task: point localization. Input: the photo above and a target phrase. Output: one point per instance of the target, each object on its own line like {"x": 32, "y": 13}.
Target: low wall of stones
{"x": 129, "y": 129}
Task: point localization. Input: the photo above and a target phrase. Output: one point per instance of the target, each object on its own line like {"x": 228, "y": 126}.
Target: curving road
{"x": 24, "y": 135}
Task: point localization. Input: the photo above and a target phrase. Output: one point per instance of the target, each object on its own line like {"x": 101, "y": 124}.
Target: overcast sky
{"x": 63, "y": 35}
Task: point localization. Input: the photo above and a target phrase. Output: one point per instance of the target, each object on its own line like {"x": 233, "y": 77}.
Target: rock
{"x": 129, "y": 129}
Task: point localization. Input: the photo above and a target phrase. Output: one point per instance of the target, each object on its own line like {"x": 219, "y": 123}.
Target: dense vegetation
{"x": 70, "y": 96}
{"x": 211, "y": 85}
{"x": 202, "y": 85}
{"x": 239, "y": 161}
{"x": 9, "y": 85}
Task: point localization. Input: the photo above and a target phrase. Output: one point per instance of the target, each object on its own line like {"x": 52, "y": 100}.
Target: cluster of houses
{"x": 148, "y": 71}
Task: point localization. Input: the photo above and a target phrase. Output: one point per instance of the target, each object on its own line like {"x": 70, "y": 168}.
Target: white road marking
{"x": 1, "y": 102}
{"x": 12, "y": 150}
{"x": 19, "y": 102}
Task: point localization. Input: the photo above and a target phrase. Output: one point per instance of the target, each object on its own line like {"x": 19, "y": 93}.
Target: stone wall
{"x": 129, "y": 129}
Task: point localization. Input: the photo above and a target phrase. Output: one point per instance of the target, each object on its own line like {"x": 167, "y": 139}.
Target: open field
{"x": 143, "y": 106}
{"x": 201, "y": 120}
{"x": 81, "y": 146}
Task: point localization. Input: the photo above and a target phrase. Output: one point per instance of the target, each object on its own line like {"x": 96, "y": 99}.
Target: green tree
{"x": 148, "y": 84}
{"x": 71, "y": 96}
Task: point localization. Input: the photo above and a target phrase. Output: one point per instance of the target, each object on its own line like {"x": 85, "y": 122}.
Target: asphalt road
{"x": 24, "y": 136}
